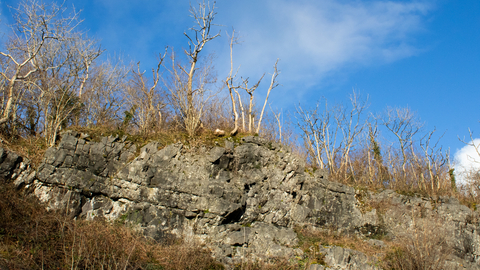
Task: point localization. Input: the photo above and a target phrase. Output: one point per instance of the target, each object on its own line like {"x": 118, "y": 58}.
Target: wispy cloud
{"x": 314, "y": 38}
{"x": 467, "y": 159}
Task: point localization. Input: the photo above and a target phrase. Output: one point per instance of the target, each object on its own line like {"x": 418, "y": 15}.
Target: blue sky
{"x": 420, "y": 54}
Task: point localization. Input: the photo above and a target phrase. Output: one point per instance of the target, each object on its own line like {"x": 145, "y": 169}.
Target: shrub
{"x": 423, "y": 247}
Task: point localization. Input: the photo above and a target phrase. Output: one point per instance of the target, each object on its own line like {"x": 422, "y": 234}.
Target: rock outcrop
{"x": 13, "y": 166}
{"x": 242, "y": 199}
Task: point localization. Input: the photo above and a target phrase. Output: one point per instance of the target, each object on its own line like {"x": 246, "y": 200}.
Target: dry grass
{"x": 424, "y": 247}
{"x": 30, "y": 147}
{"x": 33, "y": 238}
{"x": 313, "y": 237}
{"x": 275, "y": 264}
{"x": 29, "y": 234}
{"x": 469, "y": 191}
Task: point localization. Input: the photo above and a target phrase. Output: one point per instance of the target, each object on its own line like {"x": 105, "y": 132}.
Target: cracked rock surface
{"x": 242, "y": 200}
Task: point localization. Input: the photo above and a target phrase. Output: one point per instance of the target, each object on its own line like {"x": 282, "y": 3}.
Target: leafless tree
{"x": 145, "y": 99}
{"x": 29, "y": 115}
{"x": 51, "y": 60}
{"x": 251, "y": 106}
{"x": 471, "y": 176}
{"x": 352, "y": 123}
{"x": 279, "y": 124}
{"x": 232, "y": 87}
{"x": 189, "y": 89}
{"x": 249, "y": 91}
{"x": 242, "y": 109}
{"x": 331, "y": 133}
{"x": 104, "y": 93}
{"x": 273, "y": 84}
{"x": 435, "y": 160}
{"x": 313, "y": 125}
{"x": 189, "y": 117}
{"x": 35, "y": 25}
{"x": 403, "y": 124}
{"x": 348, "y": 142}
{"x": 61, "y": 85}
{"x": 472, "y": 143}
{"x": 87, "y": 51}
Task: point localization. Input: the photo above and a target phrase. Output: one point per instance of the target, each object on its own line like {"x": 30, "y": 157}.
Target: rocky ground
{"x": 242, "y": 200}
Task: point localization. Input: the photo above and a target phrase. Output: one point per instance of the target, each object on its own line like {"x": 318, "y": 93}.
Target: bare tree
{"x": 471, "y": 176}
{"x": 146, "y": 99}
{"x": 229, "y": 81}
{"x": 348, "y": 143}
{"x": 189, "y": 89}
{"x": 61, "y": 83}
{"x": 104, "y": 96}
{"x": 189, "y": 117}
{"x": 319, "y": 136}
{"x": 273, "y": 84}
{"x": 51, "y": 60}
{"x": 232, "y": 87}
{"x": 87, "y": 51}
{"x": 35, "y": 25}
{"x": 28, "y": 112}
{"x": 249, "y": 91}
{"x": 279, "y": 124}
{"x": 352, "y": 124}
{"x": 403, "y": 124}
{"x": 331, "y": 134}
{"x": 435, "y": 160}
{"x": 475, "y": 146}
{"x": 242, "y": 109}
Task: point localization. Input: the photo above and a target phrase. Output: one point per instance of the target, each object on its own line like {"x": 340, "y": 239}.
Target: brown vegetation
{"x": 423, "y": 247}
{"x": 33, "y": 238}
{"x": 312, "y": 238}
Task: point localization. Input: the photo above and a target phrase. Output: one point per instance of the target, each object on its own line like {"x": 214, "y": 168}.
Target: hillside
{"x": 245, "y": 200}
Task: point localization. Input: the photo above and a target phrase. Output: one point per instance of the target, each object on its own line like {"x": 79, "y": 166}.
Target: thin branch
{"x": 273, "y": 84}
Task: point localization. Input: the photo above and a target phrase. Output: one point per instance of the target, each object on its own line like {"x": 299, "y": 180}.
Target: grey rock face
{"x": 11, "y": 164}
{"x": 15, "y": 168}
{"x": 242, "y": 200}
{"x": 344, "y": 258}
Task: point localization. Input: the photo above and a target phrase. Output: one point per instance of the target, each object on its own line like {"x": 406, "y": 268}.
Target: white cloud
{"x": 467, "y": 159}
{"x": 313, "y": 38}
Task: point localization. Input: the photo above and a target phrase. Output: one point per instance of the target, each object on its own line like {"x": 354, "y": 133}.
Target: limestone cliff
{"x": 241, "y": 199}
